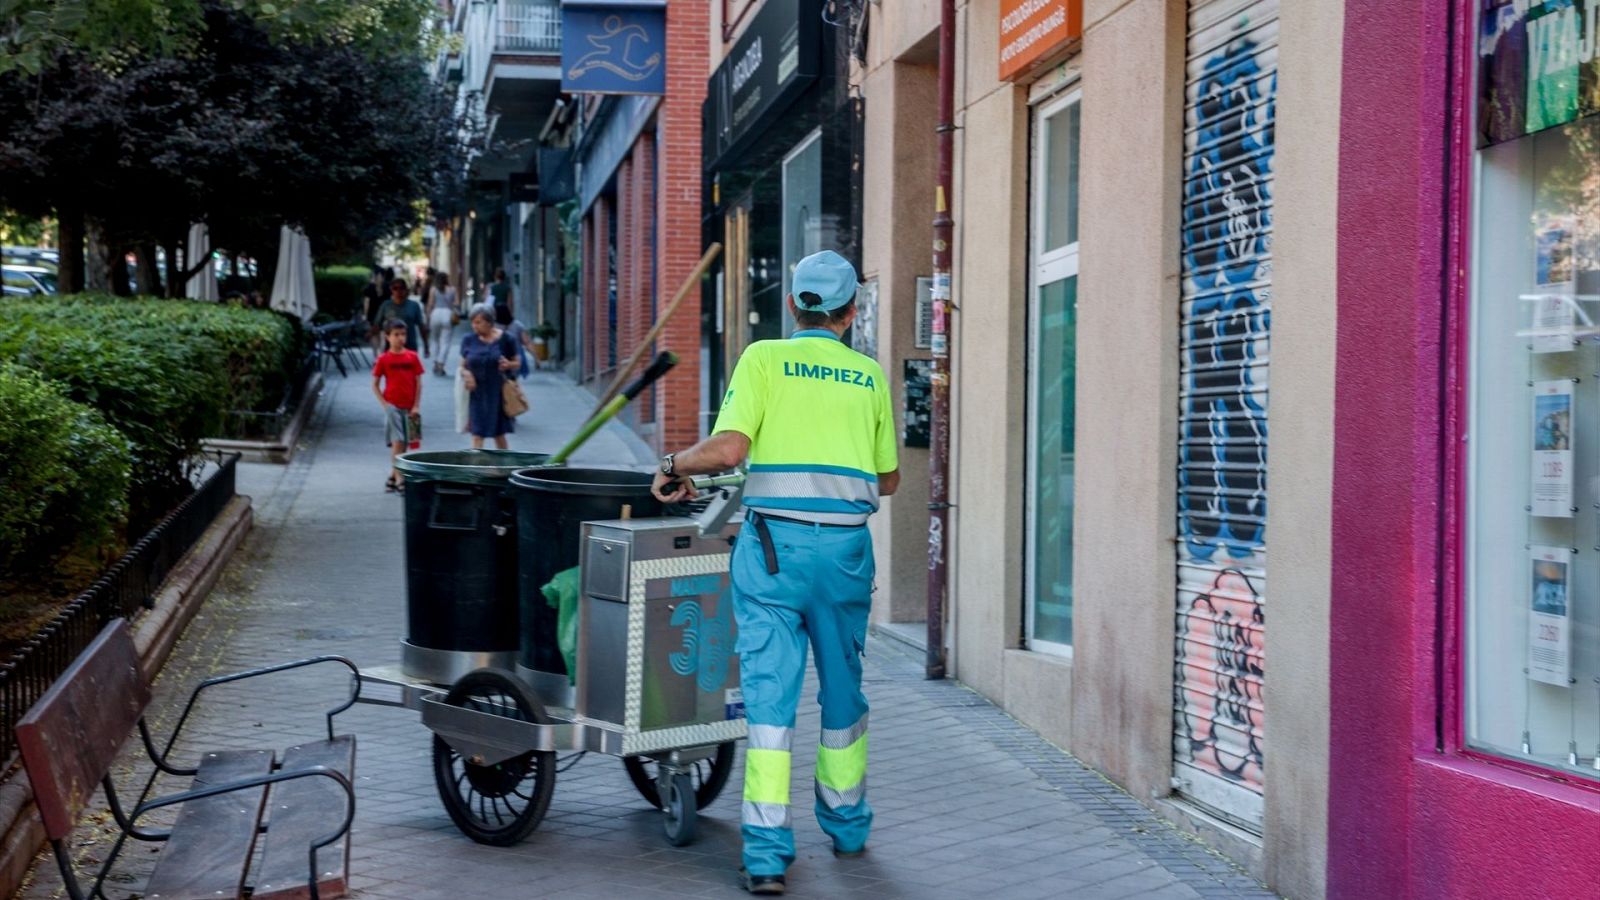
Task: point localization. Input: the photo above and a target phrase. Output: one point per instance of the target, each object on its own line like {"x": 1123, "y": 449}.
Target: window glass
{"x": 1061, "y": 178}
{"x": 1053, "y": 453}
{"x": 1533, "y": 568}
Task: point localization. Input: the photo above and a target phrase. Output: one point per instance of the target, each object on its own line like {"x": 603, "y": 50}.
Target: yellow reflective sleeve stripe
{"x": 766, "y": 776}
{"x": 842, "y": 769}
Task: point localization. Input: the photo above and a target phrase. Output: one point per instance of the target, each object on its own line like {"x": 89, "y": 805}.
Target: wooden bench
{"x": 302, "y": 803}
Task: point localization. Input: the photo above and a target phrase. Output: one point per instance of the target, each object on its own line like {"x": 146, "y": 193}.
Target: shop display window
{"x": 1532, "y": 539}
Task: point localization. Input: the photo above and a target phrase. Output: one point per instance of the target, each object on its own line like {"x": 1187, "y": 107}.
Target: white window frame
{"x": 1046, "y": 266}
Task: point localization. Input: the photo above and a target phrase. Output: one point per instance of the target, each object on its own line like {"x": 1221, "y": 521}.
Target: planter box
{"x": 278, "y": 449}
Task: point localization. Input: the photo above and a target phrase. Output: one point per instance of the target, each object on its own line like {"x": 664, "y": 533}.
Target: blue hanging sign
{"x": 614, "y": 47}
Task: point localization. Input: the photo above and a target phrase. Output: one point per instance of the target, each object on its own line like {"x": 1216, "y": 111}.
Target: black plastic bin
{"x": 461, "y": 561}
{"x": 552, "y": 504}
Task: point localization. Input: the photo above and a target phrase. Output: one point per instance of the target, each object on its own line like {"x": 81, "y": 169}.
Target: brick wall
{"x": 678, "y": 186}
{"x": 586, "y": 299}
{"x": 627, "y": 213}
{"x": 643, "y": 259}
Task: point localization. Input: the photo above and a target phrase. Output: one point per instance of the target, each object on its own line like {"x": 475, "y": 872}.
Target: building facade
{"x": 1136, "y": 271}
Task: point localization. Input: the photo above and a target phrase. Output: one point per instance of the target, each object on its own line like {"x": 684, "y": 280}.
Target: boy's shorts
{"x": 397, "y": 427}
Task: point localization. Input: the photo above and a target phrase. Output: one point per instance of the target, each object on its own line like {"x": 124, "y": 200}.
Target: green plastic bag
{"x": 562, "y": 595}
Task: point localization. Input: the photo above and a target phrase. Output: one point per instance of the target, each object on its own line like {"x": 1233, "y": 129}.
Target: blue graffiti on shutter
{"x": 1227, "y": 216}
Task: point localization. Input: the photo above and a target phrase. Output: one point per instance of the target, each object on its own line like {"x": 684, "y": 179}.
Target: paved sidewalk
{"x": 968, "y": 801}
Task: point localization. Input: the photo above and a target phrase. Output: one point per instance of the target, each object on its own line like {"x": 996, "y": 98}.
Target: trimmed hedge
{"x": 63, "y": 475}
{"x": 163, "y": 372}
{"x": 339, "y": 290}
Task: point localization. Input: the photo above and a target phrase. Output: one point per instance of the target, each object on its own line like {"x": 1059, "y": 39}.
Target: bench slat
{"x": 209, "y": 851}
{"x": 300, "y": 812}
{"x": 71, "y": 735}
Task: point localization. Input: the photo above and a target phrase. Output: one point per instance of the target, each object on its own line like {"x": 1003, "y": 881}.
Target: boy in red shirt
{"x": 397, "y": 383}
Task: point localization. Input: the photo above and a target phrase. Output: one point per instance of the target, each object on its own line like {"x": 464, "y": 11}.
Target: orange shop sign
{"x": 1032, "y": 29}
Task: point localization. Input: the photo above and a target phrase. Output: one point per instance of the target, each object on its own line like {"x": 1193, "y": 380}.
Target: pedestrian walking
{"x": 487, "y": 355}
{"x": 400, "y": 306}
{"x": 500, "y": 296}
{"x": 397, "y": 383}
{"x": 442, "y": 319}
{"x": 816, "y": 421}
{"x": 373, "y": 295}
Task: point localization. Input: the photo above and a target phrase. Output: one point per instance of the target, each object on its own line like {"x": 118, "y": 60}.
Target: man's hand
{"x": 672, "y": 488}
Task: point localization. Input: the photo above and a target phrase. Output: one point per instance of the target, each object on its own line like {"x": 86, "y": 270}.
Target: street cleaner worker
{"x": 816, "y": 421}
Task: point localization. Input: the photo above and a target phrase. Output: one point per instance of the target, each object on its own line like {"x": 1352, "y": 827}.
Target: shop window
{"x": 1532, "y": 541}
{"x": 1052, "y": 375}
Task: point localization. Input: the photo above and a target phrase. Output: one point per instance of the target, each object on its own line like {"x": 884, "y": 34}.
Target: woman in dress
{"x": 441, "y": 309}
{"x": 487, "y": 353}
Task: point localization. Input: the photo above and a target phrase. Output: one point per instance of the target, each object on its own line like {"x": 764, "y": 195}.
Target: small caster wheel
{"x": 678, "y": 811}
{"x": 710, "y": 775}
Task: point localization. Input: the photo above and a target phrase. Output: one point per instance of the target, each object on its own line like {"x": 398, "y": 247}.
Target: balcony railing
{"x": 527, "y": 27}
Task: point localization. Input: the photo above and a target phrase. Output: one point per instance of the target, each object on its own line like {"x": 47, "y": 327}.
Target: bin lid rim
{"x": 468, "y": 465}
{"x": 530, "y": 477}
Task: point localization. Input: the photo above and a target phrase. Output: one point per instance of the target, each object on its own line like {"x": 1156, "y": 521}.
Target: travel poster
{"x": 1552, "y": 449}
{"x": 1549, "y": 639}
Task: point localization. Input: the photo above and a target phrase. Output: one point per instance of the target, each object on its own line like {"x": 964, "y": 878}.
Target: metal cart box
{"x": 656, "y": 666}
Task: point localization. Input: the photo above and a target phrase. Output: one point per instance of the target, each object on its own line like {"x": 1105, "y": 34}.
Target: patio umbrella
{"x": 293, "y": 290}
{"x": 203, "y": 285}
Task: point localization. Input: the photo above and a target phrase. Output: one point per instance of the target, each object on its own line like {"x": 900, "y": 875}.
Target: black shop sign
{"x": 770, "y": 65}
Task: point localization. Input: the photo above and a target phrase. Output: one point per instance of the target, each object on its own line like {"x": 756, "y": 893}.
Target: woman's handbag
{"x": 512, "y": 400}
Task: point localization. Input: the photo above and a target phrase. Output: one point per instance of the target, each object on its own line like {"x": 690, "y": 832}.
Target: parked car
{"x": 30, "y": 256}
{"x": 27, "y": 280}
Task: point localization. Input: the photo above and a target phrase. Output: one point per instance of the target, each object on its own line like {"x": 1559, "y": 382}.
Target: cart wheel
{"x": 502, "y": 803}
{"x": 710, "y": 775}
{"x": 679, "y": 813}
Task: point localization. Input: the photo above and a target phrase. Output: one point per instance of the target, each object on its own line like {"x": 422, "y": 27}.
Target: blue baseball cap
{"x": 829, "y": 276}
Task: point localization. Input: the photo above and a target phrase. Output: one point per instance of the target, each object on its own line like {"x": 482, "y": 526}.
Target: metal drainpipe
{"x": 939, "y": 456}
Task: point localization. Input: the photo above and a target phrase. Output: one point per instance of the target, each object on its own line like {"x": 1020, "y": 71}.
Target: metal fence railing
{"x": 130, "y": 584}
{"x": 528, "y": 27}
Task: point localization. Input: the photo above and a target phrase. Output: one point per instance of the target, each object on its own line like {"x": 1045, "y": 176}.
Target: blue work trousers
{"x": 822, "y": 592}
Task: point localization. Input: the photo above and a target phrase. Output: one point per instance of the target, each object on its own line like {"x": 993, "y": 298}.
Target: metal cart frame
{"x": 493, "y": 734}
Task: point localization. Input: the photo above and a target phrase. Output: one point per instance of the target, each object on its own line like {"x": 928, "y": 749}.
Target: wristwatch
{"x": 667, "y": 464}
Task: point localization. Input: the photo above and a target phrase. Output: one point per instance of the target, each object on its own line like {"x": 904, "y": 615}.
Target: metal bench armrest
{"x": 259, "y": 781}
{"x": 160, "y": 758}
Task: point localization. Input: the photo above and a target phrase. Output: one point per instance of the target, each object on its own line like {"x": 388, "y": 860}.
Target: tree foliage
{"x": 314, "y": 113}
{"x": 111, "y": 32}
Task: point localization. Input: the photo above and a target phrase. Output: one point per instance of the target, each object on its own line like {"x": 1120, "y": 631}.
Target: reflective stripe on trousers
{"x": 842, "y": 765}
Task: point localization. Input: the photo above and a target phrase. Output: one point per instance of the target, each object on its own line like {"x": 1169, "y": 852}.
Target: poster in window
{"x": 1552, "y": 449}
{"x": 1537, "y": 66}
{"x": 1554, "y": 272}
{"x": 1549, "y": 640}
{"x": 919, "y": 402}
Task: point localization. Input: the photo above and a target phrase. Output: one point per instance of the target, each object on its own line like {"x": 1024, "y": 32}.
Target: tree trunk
{"x": 174, "y": 286}
{"x": 149, "y": 272}
{"x": 117, "y": 260}
{"x": 69, "y": 238}
{"x": 98, "y": 274}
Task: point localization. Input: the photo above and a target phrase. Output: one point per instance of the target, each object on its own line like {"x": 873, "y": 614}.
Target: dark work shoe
{"x": 770, "y": 885}
{"x": 842, "y": 853}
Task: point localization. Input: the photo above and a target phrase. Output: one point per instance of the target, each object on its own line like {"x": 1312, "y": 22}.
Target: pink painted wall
{"x": 1407, "y": 819}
